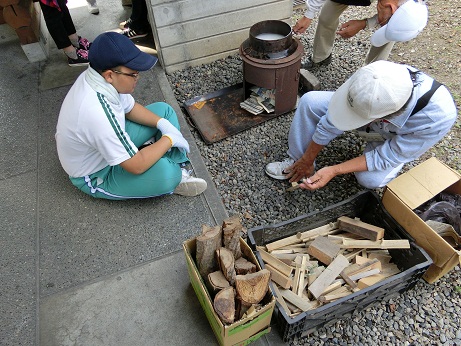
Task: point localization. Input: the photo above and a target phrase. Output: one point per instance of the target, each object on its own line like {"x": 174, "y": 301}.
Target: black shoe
{"x": 131, "y": 34}
{"x": 82, "y": 59}
{"x": 309, "y": 64}
{"x": 126, "y": 24}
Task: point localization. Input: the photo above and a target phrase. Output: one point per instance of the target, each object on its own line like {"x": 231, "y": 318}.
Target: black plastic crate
{"x": 367, "y": 206}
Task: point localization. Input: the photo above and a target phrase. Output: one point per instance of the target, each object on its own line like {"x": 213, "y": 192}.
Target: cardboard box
{"x": 245, "y": 330}
{"x": 410, "y": 190}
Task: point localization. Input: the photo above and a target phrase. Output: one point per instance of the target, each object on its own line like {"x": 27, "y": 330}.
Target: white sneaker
{"x": 92, "y": 7}
{"x": 276, "y": 169}
{"x": 190, "y": 186}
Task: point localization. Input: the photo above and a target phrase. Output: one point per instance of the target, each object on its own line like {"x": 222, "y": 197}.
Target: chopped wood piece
{"x": 224, "y": 305}
{"x": 280, "y": 279}
{"x": 206, "y": 245}
{"x": 336, "y": 294}
{"x": 294, "y": 186}
{"x": 217, "y": 281}
{"x": 328, "y": 275}
{"x": 348, "y": 280}
{"x": 361, "y": 228}
{"x": 323, "y": 249}
{"x": 294, "y": 299}
{"x": 364, "y": 274}
{"x": 358, "y": 268}
{"x": 243, "y": 266}
{"x": 382, "y": 255}
{"x": 226, "y": 264}
{"x": 274, "y": 262}
{"x": 380, "y": 244}
{"x": 295, "y": 239}
{"x": 279, "y": 298}
{"x": 231, "y": 229}
{"x": 253, "y": 287}
{"x": 302, "y": 271}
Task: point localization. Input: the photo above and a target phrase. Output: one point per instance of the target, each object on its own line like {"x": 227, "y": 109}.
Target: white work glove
{"x": 176, "y": 137}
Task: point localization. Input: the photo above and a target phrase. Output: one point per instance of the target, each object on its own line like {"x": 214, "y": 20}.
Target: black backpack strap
{"x": 424, "y": 100}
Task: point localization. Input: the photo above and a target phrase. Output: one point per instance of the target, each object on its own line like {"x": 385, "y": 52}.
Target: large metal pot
{"x": 270, "y": 39}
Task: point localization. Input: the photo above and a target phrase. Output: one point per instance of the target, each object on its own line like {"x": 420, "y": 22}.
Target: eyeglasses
{"x": 134, "y": 75}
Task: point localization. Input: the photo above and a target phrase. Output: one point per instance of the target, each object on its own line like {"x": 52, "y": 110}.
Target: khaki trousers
{"x": 326, "y": 32}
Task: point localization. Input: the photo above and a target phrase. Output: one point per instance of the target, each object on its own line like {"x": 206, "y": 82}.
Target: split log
{"x": 231, "y": 229}
{"x": 379, "y": 244}
{"x": 217, "y": 282}
{"x": 224, "y": 305}
{"x": 253, "y": 287}
{"x": 226, "y": 264}
{"x": 280, "y": 279}
{"x": 243, "y": 266}
{"x": 206, "y": 245}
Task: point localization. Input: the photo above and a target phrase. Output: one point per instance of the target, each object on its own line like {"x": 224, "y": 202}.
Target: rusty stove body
{"x": 272, "y": 60}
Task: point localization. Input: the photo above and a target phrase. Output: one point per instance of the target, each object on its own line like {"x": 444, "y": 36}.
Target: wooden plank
{"x": 380, "y": 244}
{"x": 361, "y": 228}
{"x": 334, "y": 295}
{"x": 299, "y": 237}
{"x": 294, "y": 299}
{"x": 301, "y": 285}
{"x": 365, "y": 274}
{"x": 279, "y": 298}
{"x": 357, "y": 268}
{"x": 274, "y": 262}
{"x": 280, "y": 279}
{"x": 323, "y": 249}
{"x": 328, "y": 275}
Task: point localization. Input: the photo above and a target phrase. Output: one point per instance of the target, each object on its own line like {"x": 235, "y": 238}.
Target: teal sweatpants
{"x": 113, "y": 182}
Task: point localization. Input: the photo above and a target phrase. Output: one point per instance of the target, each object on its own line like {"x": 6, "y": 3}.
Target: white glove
{"x": 176, "y": 137}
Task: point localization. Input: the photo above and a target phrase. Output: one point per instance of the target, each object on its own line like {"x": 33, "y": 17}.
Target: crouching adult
{"x": 403, "y": 111}
{"x": 101, "y": 128}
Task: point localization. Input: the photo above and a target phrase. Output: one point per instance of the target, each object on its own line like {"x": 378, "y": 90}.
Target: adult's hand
{"x": 300, "y": 170}
{"x": 319, "y": 179}
{"x": 302, "y": 25}
{"x": 351, "y": 28}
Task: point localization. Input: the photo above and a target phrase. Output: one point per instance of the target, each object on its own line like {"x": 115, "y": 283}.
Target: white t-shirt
{"x": 90, "y": 133}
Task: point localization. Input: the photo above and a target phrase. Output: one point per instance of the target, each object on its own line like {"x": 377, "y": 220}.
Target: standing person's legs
{"x": 379, "y": 53}
{"x": 139, "y": 21}
{"x": 326, "y": 30}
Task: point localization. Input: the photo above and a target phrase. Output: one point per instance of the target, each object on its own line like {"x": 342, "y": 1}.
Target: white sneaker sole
{"x": 191, "y": 188}
{"x": 278, "y": 177}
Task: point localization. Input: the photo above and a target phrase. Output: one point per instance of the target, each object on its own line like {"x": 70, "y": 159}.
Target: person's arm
{"x": 141, "y": 115}
{"x": 324, "y": 175}
{"x": 313, "y": 7}
{"x": 147, "y": 156}
{"x": 351, "y": 28}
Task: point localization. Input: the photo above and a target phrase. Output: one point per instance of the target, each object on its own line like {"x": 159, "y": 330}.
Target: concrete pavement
{"x": 80, "y": 271}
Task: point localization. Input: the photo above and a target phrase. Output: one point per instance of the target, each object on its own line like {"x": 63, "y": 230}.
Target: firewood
{"x": 224, "y": 305}
{"x": 358, "y": 268}
{"x": 293, "y": 298}
{"x": 300, "y": 237}
{"x": 334, "y": 295}
{"x": 365, "y": 274}
{"x": 361, "y": 228}
{"x": 379, "y": 244}
{"x": 217, "y": 282}
{"x": 226, "y": 264}
{"x": 323, "y": 249}
{"x": 328, "y": 275}
{"x": 279, "y": 298}
{"x": 253, "y": 287}
{"x": 231, "y": 229}
{"x": 274, "y": 262}
{"x": 243, "y": 266}
{"x": 280, "y": 279}
{"x": 207, "y": 243}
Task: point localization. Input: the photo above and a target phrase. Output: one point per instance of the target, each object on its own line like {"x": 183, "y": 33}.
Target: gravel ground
{"x": 428, "y": 314}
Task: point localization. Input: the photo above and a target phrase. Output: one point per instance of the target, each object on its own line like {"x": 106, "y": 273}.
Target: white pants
{"x": 311, "y": 108}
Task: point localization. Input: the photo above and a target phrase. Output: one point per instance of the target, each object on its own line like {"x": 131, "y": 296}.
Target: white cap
{"x": 374, "y": 91}
{"x": 405, "y": 24}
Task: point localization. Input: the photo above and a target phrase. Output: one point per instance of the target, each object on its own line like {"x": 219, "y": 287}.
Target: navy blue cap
{"x": 111, "y": 49}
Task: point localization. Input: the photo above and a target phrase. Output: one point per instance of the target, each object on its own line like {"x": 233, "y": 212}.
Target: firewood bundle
{"x": 235, "y": 282}
{"x": 321, "y": 265}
